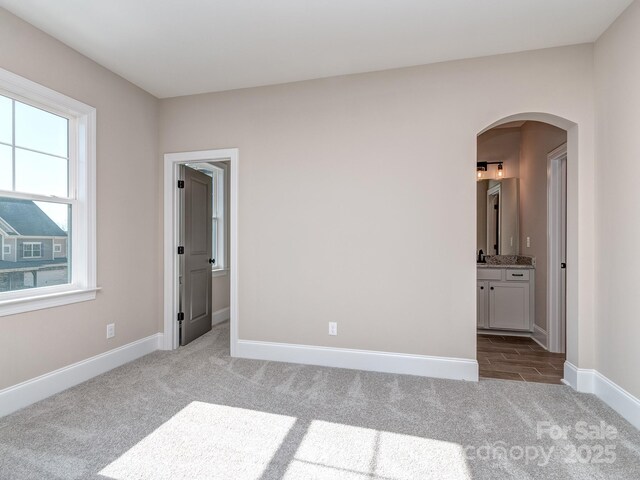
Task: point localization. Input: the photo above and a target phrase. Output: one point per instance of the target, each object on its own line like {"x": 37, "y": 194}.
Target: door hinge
{"x": 180, "y": 183}
{"x": 180, "y": 316}
{"x": 180, "y": 250}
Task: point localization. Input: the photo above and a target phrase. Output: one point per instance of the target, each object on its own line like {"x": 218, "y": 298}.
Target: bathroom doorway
{"x": 521, "y": 252}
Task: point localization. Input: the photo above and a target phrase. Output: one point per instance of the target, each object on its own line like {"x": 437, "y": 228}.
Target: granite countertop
{"x": 519, "y": 267}
{"x": 508, "y": 261}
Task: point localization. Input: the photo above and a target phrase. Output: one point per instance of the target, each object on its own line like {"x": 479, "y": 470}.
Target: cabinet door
{"x": 509, "y": 305}
{"x": 483, "y": 304}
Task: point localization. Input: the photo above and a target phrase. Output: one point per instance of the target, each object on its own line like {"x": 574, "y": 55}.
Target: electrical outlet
{"x": 111, "y": 330}
{"x": 333, "y": 328}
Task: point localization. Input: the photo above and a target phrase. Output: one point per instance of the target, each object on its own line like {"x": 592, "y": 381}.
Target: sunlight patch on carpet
{"x": 205, "y": 441}
{"x": 331, "y": 450}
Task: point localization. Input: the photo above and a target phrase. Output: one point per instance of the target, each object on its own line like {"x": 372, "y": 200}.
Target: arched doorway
{"x": 550, "y": 292}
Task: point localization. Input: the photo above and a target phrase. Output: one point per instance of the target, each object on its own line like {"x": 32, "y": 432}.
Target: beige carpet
{"x": 198, "y": 414}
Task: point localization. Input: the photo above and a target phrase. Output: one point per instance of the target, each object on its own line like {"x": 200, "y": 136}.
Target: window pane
{"x": 6, "y": 168}
{"x": 40, "y": 130}
{"x": 42, "y": 174}
{"x": 32, "y": 230}
{"x": 5, "y": 120}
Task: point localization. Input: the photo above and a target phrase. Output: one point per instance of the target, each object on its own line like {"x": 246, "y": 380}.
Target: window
{"x": 6, "y": 249}
{"x": 31, "y": 250}
{"x": 218, "y": 218}
{"x": 217, "y": 173}
{"x": 47, "y": 182}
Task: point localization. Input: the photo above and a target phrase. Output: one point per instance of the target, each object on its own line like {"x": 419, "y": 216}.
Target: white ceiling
{"x": 181, "y": 47}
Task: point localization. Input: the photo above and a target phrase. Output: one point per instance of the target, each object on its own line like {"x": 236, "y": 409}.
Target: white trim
{"x": 580, "y": 379}
{"x": 505, "y": 333}
{"x": 617, "y": 398}
{"x": 39, "y": 388}
{"x": 556, "y": 222}
{"x": 591, "y": 381}
{"x": 48, "y": 300}
{"x": 220, "y": 316}
{"x": 540, "y": 336}
{"x": 427, "y": 366}
{"x": 221, "y": 272}
{"x": 170, "y": 209}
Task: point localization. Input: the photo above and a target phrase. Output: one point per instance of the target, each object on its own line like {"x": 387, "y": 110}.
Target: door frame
{"x": 172, "y": 161}
{"x": 494, "y": 222}
{"x": 556, "y": 222}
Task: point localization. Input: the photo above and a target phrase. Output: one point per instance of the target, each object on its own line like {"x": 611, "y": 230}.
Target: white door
{"x": 557, "y": 249}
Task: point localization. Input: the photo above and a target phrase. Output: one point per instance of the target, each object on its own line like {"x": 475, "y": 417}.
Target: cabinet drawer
{"x": 489, "y": 274}
{"x": 521, "y": 275}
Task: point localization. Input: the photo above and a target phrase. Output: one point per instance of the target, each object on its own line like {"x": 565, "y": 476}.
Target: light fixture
{"x": 483, "y": 167}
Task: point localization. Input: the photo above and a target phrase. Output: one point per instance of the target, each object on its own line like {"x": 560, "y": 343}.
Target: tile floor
{"x": 518, "y": 358}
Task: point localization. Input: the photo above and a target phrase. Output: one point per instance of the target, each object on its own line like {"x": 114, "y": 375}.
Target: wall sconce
{"x": 483, "y": 167}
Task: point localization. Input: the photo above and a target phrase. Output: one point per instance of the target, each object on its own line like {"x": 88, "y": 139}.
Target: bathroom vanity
{"x": 506, "y": 297}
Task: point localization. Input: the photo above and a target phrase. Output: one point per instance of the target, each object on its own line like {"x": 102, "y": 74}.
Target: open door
{"x": 196, "y": 259}
{"x": 557, "y": 249}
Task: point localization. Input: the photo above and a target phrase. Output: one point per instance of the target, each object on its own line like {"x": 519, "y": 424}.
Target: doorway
{"x": 174, "y": 166}
{"x": 521, "y": 282}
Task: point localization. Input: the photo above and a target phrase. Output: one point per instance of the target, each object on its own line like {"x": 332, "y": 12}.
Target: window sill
{"x": 219, "y": 273}
{"x": 47, "y": 300}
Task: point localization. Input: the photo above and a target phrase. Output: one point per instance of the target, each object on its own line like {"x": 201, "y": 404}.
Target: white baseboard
{"x": 39, "y": 388}
{"x": 427, "y": 366}
{"x": 541, "y": 337}
{"x": 591, "y": 381}
{"x": 220, "y": 316}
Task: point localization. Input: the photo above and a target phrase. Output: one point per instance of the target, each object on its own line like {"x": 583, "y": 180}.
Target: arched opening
{"x": 525, "y": 294}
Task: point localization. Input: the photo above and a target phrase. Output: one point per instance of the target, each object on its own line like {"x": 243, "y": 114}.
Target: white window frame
{"x": 57, "y": 248}
{"x": 6, "y": 249}
{"x": 31, "y": 245}
{"x": 82, "y": 187}
{"x": 218, "y": 216}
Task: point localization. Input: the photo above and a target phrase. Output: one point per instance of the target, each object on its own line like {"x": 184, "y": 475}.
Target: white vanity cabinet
{"x": 506, "y": 298}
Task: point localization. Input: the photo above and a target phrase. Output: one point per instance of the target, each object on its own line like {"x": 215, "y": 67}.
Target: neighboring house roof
{"x": 26, "y": 218}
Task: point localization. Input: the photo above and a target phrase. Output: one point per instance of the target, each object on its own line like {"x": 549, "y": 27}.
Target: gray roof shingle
{"x": 28, "y": 219}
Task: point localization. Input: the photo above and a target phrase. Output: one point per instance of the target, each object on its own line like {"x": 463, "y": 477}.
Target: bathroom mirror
{"x": 498, "y": 223}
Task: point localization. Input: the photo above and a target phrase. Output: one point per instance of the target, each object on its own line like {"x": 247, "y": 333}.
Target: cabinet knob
{"x": 481, "y": 288}
{"x": 491, "y": 288}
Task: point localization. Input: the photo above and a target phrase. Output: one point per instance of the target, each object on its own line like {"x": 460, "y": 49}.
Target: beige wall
{"x": 501, "y": 145}
{"x": 357, "y": 196}
{"x": 356, "y": 200}
{"x": 129, "y": 267}
{"x": 617, "y": 61}
{"x": 538, "y": 139}
{"x": 220, "y": 296}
